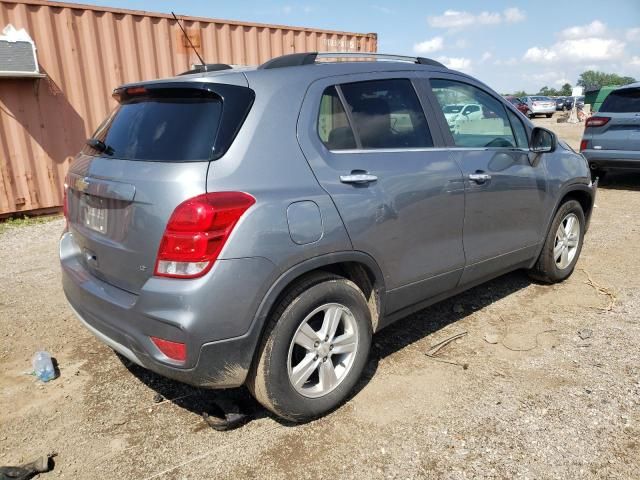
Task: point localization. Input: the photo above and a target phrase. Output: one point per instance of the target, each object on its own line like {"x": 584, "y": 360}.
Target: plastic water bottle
{"x": 43, "y": 366}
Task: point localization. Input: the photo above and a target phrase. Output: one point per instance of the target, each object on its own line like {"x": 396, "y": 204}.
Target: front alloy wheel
{"x": 567, "y": 240}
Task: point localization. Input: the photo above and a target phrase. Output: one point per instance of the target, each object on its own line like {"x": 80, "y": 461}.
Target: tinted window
{"x": 522, "y": 139}
{"x": 488, "y": 127}
{"x": 622, "y": 101}
{"x": 173, "y": 129}
{"x": 387, "y": 114}
{"x": 333, "y": 125}
{"x": 541, "y": 99}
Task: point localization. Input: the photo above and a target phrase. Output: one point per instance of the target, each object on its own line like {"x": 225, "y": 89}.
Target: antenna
{"x": 188, "y": 39}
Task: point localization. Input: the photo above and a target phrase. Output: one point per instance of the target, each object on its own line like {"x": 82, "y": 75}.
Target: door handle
{"x": 358, "y": 178}
{"x": 479, "y": 177}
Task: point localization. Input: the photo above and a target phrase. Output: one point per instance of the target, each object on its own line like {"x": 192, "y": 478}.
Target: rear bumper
{"x": 211, "y": 315}
{"x": 542, "y": 110}
{"x": 613, "y": 159}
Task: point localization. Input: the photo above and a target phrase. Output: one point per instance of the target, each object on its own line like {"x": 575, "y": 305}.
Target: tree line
{"x": 590, "y": 80}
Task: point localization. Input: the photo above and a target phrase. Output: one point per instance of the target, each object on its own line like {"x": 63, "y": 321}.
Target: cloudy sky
{"x": 511, "y": 45}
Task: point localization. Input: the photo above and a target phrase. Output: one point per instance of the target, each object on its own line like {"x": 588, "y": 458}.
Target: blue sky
{"x": 510, "y": 45}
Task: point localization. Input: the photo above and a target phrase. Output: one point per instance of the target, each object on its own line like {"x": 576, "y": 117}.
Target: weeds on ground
{"x": 16, "y": 222}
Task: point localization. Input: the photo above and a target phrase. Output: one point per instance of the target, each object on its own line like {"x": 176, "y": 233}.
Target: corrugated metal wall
{"x": 86, "y": 52}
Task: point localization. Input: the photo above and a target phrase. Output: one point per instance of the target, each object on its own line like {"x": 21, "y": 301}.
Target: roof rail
{"x": 309, "y": 58}
{"x": 207, "y": 67}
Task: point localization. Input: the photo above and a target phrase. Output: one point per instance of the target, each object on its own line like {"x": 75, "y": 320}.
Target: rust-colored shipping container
{"x": 84, "y": 52}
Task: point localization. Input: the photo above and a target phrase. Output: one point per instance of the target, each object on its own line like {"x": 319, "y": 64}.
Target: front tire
{"x": 314, "y": 349}
{"x": 562, "y": 246}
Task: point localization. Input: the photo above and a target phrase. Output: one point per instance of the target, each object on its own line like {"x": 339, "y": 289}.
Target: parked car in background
{"x": 457, "y": 114}
{"x": 256, "y": 226}
{"x": 611, "y": 137}
{"x": 560, "y": 103}
{"x": 519, "y": 104}
{"x": 540, "y": 105}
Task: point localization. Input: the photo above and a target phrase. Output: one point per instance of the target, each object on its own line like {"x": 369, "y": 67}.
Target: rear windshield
{"x": 622, "y": 101}
{"x": 541, "y": 99}
{"x": 172, "y": 124}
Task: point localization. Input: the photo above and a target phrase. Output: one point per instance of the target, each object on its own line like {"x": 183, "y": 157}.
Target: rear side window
{"x": 170, "y": 125}
{"x": 381, "y": 114}
{"x": 622, "y": 101}
{"x": 333, "y": 125}
{"x": 486, "y": 126}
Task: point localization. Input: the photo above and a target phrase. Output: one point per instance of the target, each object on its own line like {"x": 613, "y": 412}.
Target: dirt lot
{"x": 542, "y": 402}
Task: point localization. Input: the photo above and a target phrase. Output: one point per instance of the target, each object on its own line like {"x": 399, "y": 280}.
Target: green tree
{"x": 565, "y": 90}
{"x": 594, "y": 79}
{"x": 520, "y": 93}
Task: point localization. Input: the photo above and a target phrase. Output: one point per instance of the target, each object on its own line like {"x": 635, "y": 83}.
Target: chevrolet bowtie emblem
{"x": 81, "y": 184}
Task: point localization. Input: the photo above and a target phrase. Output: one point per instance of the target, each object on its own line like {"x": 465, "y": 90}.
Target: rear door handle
{"x": 479, "y": 177}
{"x": 358, "y": 178}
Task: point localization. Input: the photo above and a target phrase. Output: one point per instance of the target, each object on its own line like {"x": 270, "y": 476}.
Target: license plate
{"x": 95, "y": 219}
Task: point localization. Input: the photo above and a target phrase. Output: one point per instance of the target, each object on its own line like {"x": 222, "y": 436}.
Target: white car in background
{"x": 539, "y": 105}
{"x": 457, "y": 114}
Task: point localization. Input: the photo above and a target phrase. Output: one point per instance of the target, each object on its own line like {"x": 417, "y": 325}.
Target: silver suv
{"x": 611, "y": 138}
{"x": 255, "y": 226}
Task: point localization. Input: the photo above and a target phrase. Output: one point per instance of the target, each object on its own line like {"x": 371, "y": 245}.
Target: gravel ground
{"x": 556, "y": 394}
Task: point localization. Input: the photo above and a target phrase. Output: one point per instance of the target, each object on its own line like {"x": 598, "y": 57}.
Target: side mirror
{"x": 543, "y": 140}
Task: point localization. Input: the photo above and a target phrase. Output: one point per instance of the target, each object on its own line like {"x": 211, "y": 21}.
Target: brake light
{"x": 173, "y": 350}
{"x": 136, "y": 91}
{"x": 197, "y": 231}
{"x": 583, "y": 145}
{"x": 596, "y": 121}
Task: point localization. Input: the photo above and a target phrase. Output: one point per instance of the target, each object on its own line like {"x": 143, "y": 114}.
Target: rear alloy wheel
{"x": 562, "y": 246}
{"x": 322, "y": 350}
{"x": 314, "y": 349}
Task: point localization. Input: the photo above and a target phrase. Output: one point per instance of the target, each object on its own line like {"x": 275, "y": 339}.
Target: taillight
{"x": 596, "y": 121}
{"x": 173, "y": 350}
{"x": 197, "y": 231}
{"x": 583, "y": 145}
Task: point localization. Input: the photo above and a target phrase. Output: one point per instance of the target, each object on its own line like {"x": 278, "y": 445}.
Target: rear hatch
{"x": 622, "y": 130}
{"x": 151, "y": 154}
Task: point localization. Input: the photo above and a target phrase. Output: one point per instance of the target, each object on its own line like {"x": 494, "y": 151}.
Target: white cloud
{"x": 593, "y": 29}
{"x": 635, "y": 61}
{"x": 455, "y": 19}
{"x": 461, "y": 43}
{"x": 428, "y": 46}
{"x": 577, "y": 50}
{"x": 514, "y": 15}
{"x": 485, "y": 56}
{"x": 633, "y": 34}
{"x": 456, "y": 63}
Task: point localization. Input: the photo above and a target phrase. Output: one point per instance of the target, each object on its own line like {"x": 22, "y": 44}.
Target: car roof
{"x": 631, "y": 85}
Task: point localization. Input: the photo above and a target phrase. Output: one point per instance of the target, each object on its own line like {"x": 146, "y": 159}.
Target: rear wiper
{"x": 100, "y": 146}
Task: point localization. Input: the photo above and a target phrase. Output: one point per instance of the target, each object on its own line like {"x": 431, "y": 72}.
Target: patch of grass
{"x": 24, "y": 221}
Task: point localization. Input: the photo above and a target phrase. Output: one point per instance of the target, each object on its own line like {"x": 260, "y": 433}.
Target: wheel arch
{"x": 356, "y": 266}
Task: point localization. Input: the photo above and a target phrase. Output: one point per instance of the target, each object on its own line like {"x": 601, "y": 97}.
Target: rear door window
{"x": 387, "y": 114}
{"x": 488, "y": 126}
{"x": 622, "y": 101}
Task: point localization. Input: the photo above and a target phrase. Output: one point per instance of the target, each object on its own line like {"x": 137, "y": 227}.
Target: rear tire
{"x": 299, "y": 338}
{"x": 562, "y": 246}
{"x": 549, "y": 115}
{"x": 530, "y": 114}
